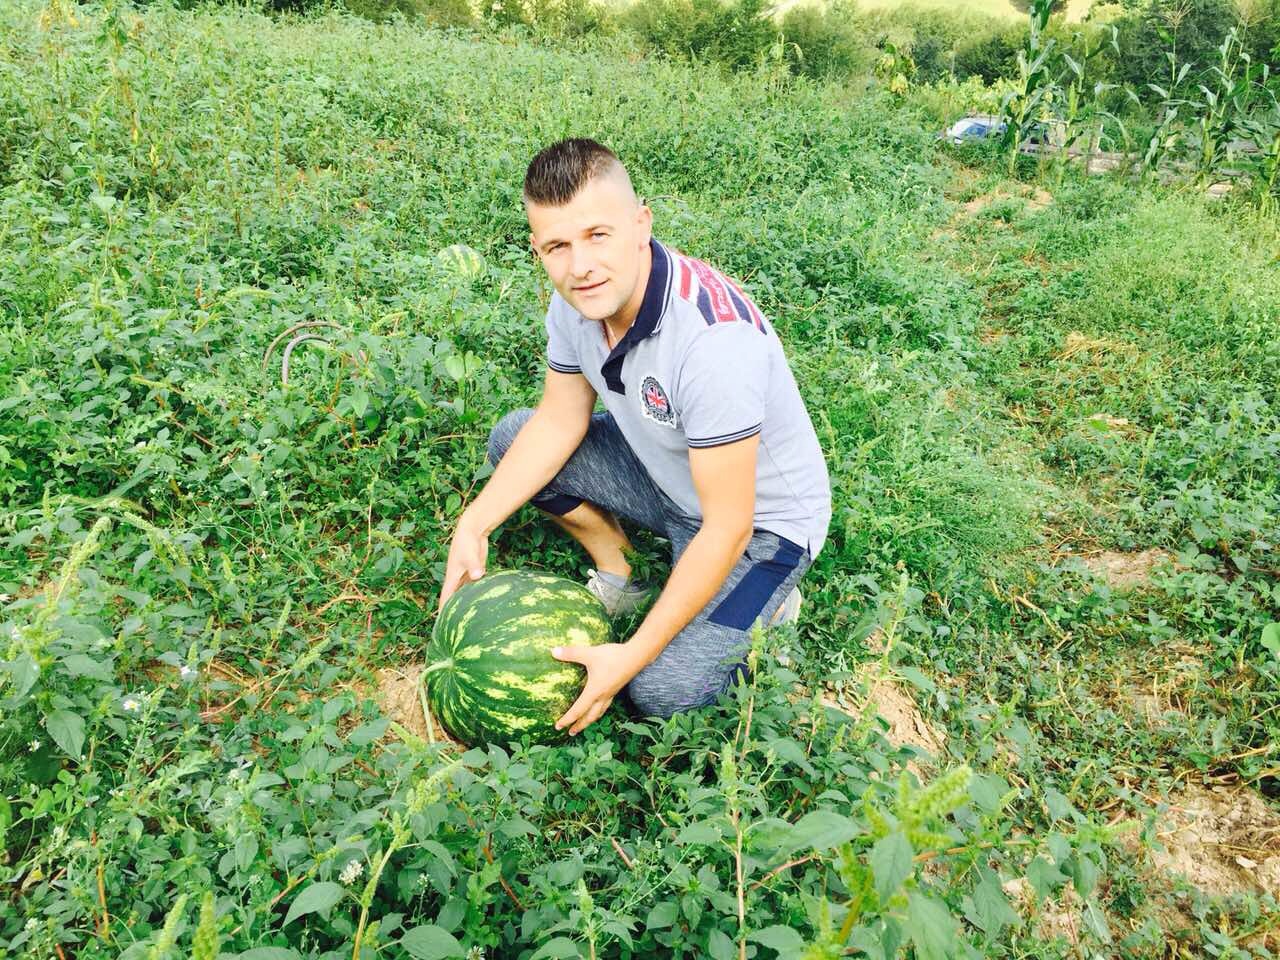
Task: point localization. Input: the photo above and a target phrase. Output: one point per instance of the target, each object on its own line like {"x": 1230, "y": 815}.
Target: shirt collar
{"x": 648, "y": 320}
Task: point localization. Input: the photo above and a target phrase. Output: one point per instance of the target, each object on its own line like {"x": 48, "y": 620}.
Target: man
{"x": 705, "y": 440}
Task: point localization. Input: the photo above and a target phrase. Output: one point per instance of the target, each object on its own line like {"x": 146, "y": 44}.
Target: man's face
{"x": 593, "y": 247}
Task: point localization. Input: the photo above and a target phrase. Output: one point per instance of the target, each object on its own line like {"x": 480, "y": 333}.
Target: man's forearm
{"x": 698, "y": 574}
{"x": 536, "y": 455}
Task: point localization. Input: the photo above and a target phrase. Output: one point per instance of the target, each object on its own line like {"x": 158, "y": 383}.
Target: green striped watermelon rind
{"x": 462, "y": 259}
{"x": 497, "y": 681}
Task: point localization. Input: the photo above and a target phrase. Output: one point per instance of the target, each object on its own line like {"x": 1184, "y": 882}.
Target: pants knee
{"x": 659, "y": 694}
{"x": 504, "y": 433}
{"x": 652, "y": 697}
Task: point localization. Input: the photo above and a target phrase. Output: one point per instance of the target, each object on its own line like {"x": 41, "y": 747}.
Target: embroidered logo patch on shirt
{"x": 655, "y": 404}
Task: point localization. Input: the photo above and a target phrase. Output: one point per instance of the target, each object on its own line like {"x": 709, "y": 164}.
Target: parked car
{"x": 1041, "y": 136}
{"x": 977, "y": 127}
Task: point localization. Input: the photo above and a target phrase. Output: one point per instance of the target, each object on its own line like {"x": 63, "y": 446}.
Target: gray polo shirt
{"x": 701, "y": 367}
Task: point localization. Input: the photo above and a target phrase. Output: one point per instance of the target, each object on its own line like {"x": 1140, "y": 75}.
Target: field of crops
{"x": 1030, "y": 708}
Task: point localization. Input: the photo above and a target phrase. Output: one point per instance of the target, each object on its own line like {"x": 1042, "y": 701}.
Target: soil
{"x": 1034, "y": 200}
{"x": 1126, "y": 571}
{"x": 893, "y": 702}
{"x": 397, "y": 697}
{"x": 1053, "y": 918}
{"x": 1222, "y": 840}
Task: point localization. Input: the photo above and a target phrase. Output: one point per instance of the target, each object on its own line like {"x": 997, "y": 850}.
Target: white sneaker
{"x": 616, "y": 600}
{"x": 789, "y": 612}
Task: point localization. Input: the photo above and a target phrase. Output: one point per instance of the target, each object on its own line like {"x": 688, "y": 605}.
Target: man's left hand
{"x": 610, "y": 667}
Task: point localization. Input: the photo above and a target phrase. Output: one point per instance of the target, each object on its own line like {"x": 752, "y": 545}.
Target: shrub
{"x": 831, "y": 40}
{"x": 736, "y": 34}
{"x": 1190, "y": 30}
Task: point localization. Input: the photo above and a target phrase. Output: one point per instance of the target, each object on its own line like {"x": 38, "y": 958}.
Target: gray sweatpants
{"x": 702, "y": 660}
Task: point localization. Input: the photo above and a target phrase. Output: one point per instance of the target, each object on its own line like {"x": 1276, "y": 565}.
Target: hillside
{"x": 1030, "y": 708}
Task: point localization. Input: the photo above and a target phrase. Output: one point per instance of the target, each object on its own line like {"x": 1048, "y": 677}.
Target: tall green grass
{"x": 203, "y": 569}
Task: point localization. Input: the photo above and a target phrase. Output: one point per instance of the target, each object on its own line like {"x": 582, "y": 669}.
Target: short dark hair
{"x": 559, "y": 171}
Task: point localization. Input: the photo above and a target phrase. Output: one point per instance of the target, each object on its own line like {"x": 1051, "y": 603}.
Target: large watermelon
{"x": 462, "y": 260}
{"x": 490, "y": 675}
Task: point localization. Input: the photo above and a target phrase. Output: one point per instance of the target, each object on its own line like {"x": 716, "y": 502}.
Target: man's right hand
{"x": 468, "y": 553}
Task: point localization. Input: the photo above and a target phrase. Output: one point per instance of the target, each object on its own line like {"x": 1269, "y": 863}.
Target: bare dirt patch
{"x": 1222, "y": 840}
{"x": 893, "y": 702}
{"x": 1040, "y": 199}
{"x": 1033, "y": 200}
{"x": 397, "y": 696}
{"x": 1126, "y": 571}
{"x": 907, "y": 725}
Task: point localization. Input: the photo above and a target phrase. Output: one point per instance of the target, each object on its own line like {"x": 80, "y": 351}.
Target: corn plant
{"x": 1262, "y": 127}
{"x": 1082, "y": 109}
{"x": 1035, "y": 87}
{"x": 1226, "y": 97}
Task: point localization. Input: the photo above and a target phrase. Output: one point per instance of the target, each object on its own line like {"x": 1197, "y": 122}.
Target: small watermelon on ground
{"x": 462, "y": 260}
{"x": 490, "y": 675}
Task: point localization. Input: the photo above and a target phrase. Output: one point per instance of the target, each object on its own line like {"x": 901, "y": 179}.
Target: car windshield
{"x": 970, "y": 128}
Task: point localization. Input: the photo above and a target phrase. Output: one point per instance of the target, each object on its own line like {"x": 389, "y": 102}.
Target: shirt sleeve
{"x": 562, "y": 352}
{"x": 722, "y": 385}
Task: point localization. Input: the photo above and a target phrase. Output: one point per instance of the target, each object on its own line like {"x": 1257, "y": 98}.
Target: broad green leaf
{"x": 315, "y": 899}
{"x": 334, "y": 708}
{"x": 917, "y": 679}
{"x": 566, "y": 871}
{"x": 517, "y": 827}
{"x": 1060, "y": 807}
{"x": 1271, "y": 639}
{"x": 454, "y": 366}
{"x": 991, "y": 911}
{"x": 429, "y": 942}
{"x": 1084, "y": 874}
{"x": 986, "y": 791}
{"x": 792, "y": 752}
{"x": 821, "y": 830}
{"x": 25, "y": 671}
{"x": 246, "y": 849}
{"x": 1096, "y": 921}
{"x": 783, "y": 939}
{"x": 891, "y": 863}
{"x": 67, "y": 730}
{"x": 930, "y": 927}
{"x": 366, "y": 733}
{"x": 104, "y": 202}
{"x": 704, "y": 831}
{"x": 619, "y": 930}
{"x": 662, "y": 915}
{"x": 720, "y": 946}
{"x": 267, "y": 953}
{"x": 557, "y": 947}
{"x": 79, "y": 665}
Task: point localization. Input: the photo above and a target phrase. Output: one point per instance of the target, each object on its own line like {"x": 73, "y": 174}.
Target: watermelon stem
{"x": 422, "y": 696}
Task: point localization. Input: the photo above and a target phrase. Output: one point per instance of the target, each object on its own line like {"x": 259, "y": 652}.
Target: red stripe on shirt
{"x": 755, "y": 311}
{"x": 720, "y": 303}
{"x": 686, "y": 279}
